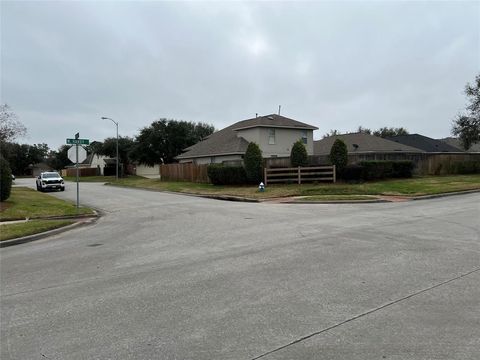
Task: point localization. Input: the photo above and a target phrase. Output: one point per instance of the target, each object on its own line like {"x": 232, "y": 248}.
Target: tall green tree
{"x": 253, "y": 161}
{"x": 109, "y": 148}
{"x": 339, "y": 155}
{"x": 390, "y": 131}
{"x": 165, "y": 139}
{"x": 298, "y": 154}
{"x": 22, "y": 156}
{"x": 58, "y": 159}
{"x": 467, "y": 126}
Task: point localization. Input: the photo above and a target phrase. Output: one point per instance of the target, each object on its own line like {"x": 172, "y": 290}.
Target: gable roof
{"x": 227, "y": 141}
{"x": 272, "y": 121}
{"x": 424, "y": 143}
{"x": 361, "y": 143}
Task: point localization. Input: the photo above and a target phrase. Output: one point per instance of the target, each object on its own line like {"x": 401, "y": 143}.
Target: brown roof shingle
{"x": 361, "y": 143}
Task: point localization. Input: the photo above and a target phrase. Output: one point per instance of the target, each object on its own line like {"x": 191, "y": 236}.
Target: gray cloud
{"x": 333, "y": 65}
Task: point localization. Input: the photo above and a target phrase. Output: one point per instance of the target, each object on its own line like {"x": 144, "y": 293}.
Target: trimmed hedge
{"x": 352, "y": 173}
{"x": 226, "y": 175}
{"x": 403, "y": 168}
{"x": 373, "y": 170}
{"x": 465, "y": 167}
{"x": 5, "y": 179}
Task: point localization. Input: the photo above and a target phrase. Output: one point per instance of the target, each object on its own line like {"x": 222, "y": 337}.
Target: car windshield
{"x": 51, "y": 175}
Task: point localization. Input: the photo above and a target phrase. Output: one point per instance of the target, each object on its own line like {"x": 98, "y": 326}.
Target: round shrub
{"x": 339, "y": 155}
{"x": 298, "y": 155}
{"x": 5, "y": 179}
{"x": 253, "y": 163}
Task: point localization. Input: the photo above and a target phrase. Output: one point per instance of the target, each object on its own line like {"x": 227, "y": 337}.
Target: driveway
{"x": 165, "y": 276}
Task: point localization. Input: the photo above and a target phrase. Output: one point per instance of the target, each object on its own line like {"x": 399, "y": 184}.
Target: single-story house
{"x": 96, "y": 161}
{"x": 275, "y": 135}
{"x": 361, "y": 143}
{"x": 424, "y": 143}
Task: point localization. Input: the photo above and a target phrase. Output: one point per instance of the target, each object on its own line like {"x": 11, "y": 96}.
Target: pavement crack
{"x": 381, "y": 307}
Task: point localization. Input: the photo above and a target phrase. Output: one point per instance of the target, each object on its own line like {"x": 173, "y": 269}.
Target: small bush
{"x": 353, "y": 173}
{"x": 298, "y": 155}
{"x": 253, "y": 163}
{"x": 5, "y": 179}
{"x": 339, "y": 155}
{"x": 226, "y": 175}
{"x": 387, "y": 169}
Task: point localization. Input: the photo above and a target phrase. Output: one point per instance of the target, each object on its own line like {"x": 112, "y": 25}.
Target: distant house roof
{"x": 455, "y": 142}
{"x": 89, "y": 159}
{"x": 227, "y": 142}
{"x": 361, "y": 143}
{"x": 424, "y": 143}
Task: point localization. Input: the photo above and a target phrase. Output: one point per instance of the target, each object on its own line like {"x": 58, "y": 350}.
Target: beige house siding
{"x": 98, "y": 162}
{"x": 212, "y": 159}
{"x": 284, "y": 140}
{"x": 151, "y": 172}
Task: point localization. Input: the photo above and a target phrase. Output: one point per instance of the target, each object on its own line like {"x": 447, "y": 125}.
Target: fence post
{"x": 265, "y": 175}
{"x": 334, "y": 174}
{"x": 299, "y": 176}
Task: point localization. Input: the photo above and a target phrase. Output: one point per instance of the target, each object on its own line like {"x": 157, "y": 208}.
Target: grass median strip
{"x": 28, "y": 203}
{"x": 425, "y": 185}
{"x": 13, "y": 231}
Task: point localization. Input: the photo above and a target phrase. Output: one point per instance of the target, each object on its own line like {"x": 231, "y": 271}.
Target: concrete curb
{"x": 45, "y": 234}
{"x": 434, "y": 196}
{"x": 277, "y": 200}
{"x": 374, "y": 201}
{"x": 404, "y": 199}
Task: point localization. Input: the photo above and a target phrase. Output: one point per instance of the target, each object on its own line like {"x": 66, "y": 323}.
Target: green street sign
{"x": 78, "y": 141}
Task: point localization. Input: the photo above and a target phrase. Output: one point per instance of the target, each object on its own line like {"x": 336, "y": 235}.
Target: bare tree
{"x": 467, "y": 126}
{"x": 10, "y": 126}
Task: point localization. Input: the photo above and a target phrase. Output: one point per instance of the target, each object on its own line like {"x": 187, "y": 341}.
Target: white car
{"x": 50, "y": 180}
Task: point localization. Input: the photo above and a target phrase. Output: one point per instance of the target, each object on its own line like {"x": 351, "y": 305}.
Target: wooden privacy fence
{"x": 81, "y": 172}
{"x": 184, "y": 172}
{"x": 300, "y": 174}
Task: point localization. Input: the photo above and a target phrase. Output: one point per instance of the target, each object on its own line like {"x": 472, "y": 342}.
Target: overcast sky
{"x": 335, "y": 65}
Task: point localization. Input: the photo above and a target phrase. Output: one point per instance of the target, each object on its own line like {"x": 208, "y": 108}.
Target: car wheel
{"x": 62, "y": 189}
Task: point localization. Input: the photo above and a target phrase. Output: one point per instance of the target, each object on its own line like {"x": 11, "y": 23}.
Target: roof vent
{"x": 271, "y": 117}
{"x": 355, "y": 146}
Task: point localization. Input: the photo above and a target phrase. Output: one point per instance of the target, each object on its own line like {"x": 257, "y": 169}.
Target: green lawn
{"x": 407, "y": 187}
{"x": 28, "y": 203}
{"x": 12, "y": 231}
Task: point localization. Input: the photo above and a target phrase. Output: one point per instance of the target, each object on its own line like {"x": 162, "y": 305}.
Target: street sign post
{"x": 77, "y": 154}
{"x": 78, "y": 142}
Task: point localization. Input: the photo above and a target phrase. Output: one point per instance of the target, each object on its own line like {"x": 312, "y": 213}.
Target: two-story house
{"x": 274, "y": 134}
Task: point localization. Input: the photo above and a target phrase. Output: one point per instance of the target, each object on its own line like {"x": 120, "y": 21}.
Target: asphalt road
{"x": 165, "y": 276}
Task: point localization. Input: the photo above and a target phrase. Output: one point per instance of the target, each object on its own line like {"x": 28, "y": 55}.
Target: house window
{"x": 271, "y": 136}
{"x": 304, "y": 136}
